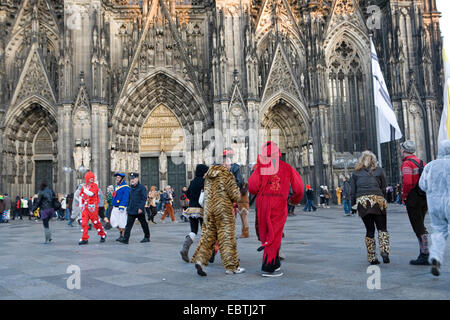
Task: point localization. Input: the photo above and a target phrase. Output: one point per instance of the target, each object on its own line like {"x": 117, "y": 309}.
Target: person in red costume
{"x": 270, "y": 182}
{"x": 89, "y": 205}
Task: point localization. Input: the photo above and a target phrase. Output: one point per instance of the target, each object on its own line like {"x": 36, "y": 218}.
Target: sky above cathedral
{"x": 444, "y": 7}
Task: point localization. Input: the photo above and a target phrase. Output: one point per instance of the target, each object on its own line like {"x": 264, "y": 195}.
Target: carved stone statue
{"x": 113, "y": 161}
{"x": 78, "y": 157}
{"x": 87, "y": 157}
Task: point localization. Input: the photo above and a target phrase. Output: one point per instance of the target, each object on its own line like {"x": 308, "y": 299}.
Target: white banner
{"x": 386, "y": 114}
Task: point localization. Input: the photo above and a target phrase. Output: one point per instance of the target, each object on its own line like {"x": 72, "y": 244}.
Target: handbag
{"x": 201, "y": 199}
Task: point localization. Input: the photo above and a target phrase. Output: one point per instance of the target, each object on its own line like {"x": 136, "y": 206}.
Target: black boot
{"x": 435, "y": 269}
{"x": 83, "y": 242}
{"x": 119, "y": 238}
{"x": 422, "y": 260}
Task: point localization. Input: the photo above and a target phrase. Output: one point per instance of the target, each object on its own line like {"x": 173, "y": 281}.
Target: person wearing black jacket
{"x": 194, "y": 210}
{"x": 136, "y": 209}
{"x": 368, "y": 191}
{"x": 346, "y": 194}
{"x": 45, "y": 203}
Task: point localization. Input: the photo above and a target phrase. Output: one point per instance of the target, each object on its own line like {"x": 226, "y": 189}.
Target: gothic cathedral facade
{"x": 158, "y": 86}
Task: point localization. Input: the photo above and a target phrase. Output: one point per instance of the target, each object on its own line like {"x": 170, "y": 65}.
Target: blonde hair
{"x": 367, "y": 161}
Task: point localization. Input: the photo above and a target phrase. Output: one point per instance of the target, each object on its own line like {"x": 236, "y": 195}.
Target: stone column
{"x": 104, "y": 169}
{"x": 217, "y": 131}
{"x": 163, "y": 178}
{"x": 66, "y": 132}
{"x": 253, "y": 126}
{"x": 61, "y": 154}
{"x": 95, "y": 141}
{"x": 197, "y": 145}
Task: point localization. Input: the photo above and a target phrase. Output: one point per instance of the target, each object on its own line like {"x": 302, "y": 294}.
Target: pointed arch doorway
{"x": 162, "y": 148}
{"x": 43, "y": 159}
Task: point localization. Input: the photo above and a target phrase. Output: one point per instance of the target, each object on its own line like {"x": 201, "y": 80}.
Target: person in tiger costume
{"x": 270, "y": 181}
{"x": 221, "y": 192}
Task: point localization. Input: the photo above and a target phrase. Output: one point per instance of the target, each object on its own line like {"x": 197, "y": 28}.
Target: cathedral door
{"x": 176, "y": 179}
{"x": 43, "y": 171}
{"x": 150, "y": 172}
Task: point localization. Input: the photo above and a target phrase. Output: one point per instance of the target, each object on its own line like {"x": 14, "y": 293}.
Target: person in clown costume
{"x": 89, "y": 208}
{"x": 270, "y": 182}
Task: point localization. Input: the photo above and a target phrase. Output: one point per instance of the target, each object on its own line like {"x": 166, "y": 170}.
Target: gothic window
{"x": 346, "y": 86}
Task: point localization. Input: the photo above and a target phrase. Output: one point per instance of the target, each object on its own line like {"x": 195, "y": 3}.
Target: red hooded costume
{"x": 89, "y": 205}
{"x": 270, "y": 181}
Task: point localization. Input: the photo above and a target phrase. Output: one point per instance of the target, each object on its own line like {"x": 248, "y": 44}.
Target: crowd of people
{"x": 218, "y": 193}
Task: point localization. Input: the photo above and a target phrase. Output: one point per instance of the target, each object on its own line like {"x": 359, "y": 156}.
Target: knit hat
{"x": 409, "y": 146}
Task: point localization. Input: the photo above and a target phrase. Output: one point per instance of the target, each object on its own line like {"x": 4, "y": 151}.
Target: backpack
{"x": 419, "y": 191}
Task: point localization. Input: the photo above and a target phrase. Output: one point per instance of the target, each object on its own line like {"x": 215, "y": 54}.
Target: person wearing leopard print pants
{"x": 368, "y": 194}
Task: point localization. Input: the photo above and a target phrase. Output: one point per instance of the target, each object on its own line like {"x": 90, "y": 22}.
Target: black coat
{"x": 196, "y": 186}
{"x": 347, "y": 192}
{"x": 45, "y": 200}
{"x": 310, "y": 194}
{"x": 365, "y": 182}
{"x": 138, "y": 198}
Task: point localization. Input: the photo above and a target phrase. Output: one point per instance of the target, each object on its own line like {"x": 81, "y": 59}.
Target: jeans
{"x": 67, "y": 215}
{"x": 347, "y": 206}
{"x": 309, "y": 205}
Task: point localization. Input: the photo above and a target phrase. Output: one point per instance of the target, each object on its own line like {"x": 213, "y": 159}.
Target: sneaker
{"x": 237, "y": 271}
{"x": 145, "y": 240}
{"x": 435, "y": 268}
{"x": 199, "y": 268}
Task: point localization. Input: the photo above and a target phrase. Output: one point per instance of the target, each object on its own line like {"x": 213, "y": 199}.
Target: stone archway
{"x": 162, "y": 150}
{"x": 133, "y": 110}
{"x": 283, "y": 122}
{"x": 30, "y": 136}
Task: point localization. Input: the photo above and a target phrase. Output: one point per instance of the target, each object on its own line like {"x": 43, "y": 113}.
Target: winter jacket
{"x": 138, "y": 198}
{"x": 310, "y": 194}
{"x": 410, "y": 173}
{"x": 45, "y": 200}
{"x": 196, "y": 186}
{"x": 167, "y": 197}
{"x": 236, "y": 171}
{"x": 347, "y": 192}
{"x": 435, "y": 181}
{"x": 366, "y": 182}
{"x": 121, "y": 195}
